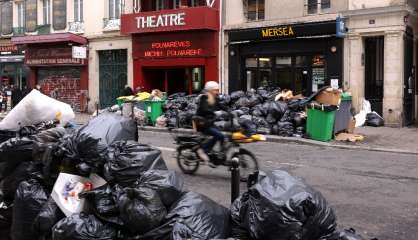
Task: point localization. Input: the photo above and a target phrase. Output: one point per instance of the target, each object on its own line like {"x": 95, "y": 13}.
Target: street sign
{"x": 341, "y": 29}
{"x": 79, "y": 52}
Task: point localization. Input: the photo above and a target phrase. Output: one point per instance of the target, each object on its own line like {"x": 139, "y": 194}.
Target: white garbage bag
{"x": 35, "y": 108}
{"x": 362, "y": 115}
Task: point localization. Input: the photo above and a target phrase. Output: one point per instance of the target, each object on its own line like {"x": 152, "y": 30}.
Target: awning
{"x": 49, "y": 38}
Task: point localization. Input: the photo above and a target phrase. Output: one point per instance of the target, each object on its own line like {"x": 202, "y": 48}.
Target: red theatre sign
{"x": 171, "y": 20}
{"x": 175, "y": 45}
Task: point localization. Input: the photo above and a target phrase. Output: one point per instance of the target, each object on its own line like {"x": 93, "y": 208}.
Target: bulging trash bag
{"x": 36, "y": 108}
{"x": 349, "y": 234}
{"x": 237, "y": 113}
{"x": 245, "y": 110}
{"x": 285, "y": 129}
{"x": 243, "y": 102}
{"x": 50, "y": 136}
{"x": 198, "y": 217}
{"x": 9, "y": 185}
{"x": 127, "y": 160}
{"x": 224, "y": 100}
{"x": 221, "y": 115}
{"x": 248, "y": 126}
{"x": 281, "y": 207}
{"x": 194, "y": 216}
{"x": 237, "y": 95}
{"x": 103, "y": 202}
{"x": 82, "y": 227}
{"x": 259, "y": 111}
{"x": 374, "y": 120}
{"x": 223, "y": 125}
{"x": 29, "y": 200}
{"x": 141, "y": 209}
{"x": 110, "y": 128}
{"x": 168, "y": 184}
{"x": 13, "y": 152}
{"x": 49, "y": 215}
{"x": 277, "y": 109}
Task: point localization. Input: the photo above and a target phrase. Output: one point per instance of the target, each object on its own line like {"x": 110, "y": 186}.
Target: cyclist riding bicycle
{"x": 205, "y": 117}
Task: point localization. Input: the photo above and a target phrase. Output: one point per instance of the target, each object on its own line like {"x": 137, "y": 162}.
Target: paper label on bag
{"x": 68, "y": 187}
{"x": 334, "y": 84}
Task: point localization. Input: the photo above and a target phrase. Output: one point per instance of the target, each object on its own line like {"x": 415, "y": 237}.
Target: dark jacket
{"x": 206, "y": 112}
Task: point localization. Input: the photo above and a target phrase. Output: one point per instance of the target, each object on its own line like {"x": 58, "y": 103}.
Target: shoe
{"x": 202, "y": 155}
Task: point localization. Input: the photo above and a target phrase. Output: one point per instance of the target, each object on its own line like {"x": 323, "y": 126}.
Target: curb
{"x": 302, "y": 141}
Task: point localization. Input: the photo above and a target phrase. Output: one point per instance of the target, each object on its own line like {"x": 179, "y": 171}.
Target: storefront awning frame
{"x": 50, "y": 38}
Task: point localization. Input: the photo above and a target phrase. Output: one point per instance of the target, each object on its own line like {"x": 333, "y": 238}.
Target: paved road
{"x": 375, "y": 193}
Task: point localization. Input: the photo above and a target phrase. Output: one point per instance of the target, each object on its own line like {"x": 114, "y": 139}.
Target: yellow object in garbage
{"x": 142, "y": 96}
{"x": 126, "y": 98}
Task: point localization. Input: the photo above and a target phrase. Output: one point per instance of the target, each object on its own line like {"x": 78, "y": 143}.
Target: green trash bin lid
{"x": 346, "y": 97}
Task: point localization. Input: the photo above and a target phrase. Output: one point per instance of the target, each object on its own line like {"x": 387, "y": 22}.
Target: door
{"x": 113, "y": 75}
{"x": 374, "y": 78}
{"x": 409, "y": 78}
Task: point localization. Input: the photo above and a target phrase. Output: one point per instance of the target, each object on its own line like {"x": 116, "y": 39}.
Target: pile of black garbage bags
{"x": 255, "y": 111}
{"x": 142, "y": 199}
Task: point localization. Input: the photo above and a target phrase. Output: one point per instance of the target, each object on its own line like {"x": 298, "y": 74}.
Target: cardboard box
{"x": 329, "y": 97}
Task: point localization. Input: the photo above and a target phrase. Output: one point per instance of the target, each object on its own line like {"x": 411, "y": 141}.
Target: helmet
{"x": 211, "y": 85}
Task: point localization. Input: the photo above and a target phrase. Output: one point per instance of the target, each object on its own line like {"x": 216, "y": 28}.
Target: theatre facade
{"x": 174, "y": 50}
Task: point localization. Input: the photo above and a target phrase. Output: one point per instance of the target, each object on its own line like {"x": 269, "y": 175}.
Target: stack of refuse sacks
{"x": 281, "y": 207}
{"x": 255, "y": 111}
{"x": 139, "y": 198}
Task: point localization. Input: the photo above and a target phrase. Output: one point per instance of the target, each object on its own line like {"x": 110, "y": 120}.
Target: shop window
{"x": 115, "y": 9}
{"x": 78, "y": 11}
{"x": 265, "y": 62}
{"x": 251, "y": 62}
{"x": 254, "y": 10}
{"x": 283, "y": 61}
{"x": 20, "y": 14}
{"x": 46, "y": 11}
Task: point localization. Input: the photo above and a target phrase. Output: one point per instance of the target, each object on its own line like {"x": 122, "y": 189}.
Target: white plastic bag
{"x": 361, "y": 117}
{"x": 35, "y": 108}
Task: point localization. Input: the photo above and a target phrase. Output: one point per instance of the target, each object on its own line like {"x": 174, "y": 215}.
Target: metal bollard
{"x": 235, "y": 179}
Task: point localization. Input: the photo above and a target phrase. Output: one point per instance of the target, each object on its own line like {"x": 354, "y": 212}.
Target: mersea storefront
{"x": 299, "y": 57}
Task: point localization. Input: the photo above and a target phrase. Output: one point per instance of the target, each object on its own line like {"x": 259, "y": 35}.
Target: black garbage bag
{"x": 194, "y": 216}
{"x": 299, "y": 120}
{"x": 6, "y": 213}
{"x": 287, "y": 117}
{"x": 245, "y": 110}
{"x": 259, "y": 111}
{"x": 172, "y": 122}
{"x": 254, "y": 99}
{"x": 9, "y": 185}
{"x": 49, "y": 215}
{"x": 168, "y": 184}
{"x": 237, "y": 113}
{"x": 237, "y": 95}
{"x": 263, "y": 93}
{"x": 249, "y": 128}
{"x": 110, "y": 128}
{"x": 127, "y": 160}
{"x": 103, "y": 202}
{"x": 223, "y": 125}
{"x": 222, "y": 116}
{"x": 29, "y": 200}
{"x": 285, "y": 129}
{"x": 141, "y": 209}
{"x": 261, "y": 122}
{"x": 224, "y": 100}
{"x": 349, "y": 234}
{"x": 243, "y": 102}
{"x": 374, "y": 120}
{"x": 271, "y": 119}
{"x": 277, "y": 109}
{"x": 82, "y": 227}
{"x": 281, "y": 207}
{"x": 50, "y": 136}
{"x": 13, "y": 152}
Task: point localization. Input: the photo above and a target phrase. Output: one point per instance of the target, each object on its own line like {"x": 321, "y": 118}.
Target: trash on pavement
{"x": 361, "y": 117}
{"x": 349, "y": 137}
{"x": 49, "y": 215}
{"x": 36, "y": 108}
{"x": 373, "y": 119}
{"x": 329, "y": 96}
{"x": 264, "y": 211}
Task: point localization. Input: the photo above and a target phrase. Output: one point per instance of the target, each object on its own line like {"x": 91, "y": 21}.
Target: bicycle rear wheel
{"x": 248, "y": 163}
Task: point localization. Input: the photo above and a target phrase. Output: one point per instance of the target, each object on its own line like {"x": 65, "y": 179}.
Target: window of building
{"x": 160, "y": 5}
{"x": 78, "y": 10}
{"x": 114, "y": 9}
{"x": 255, "y": 10}
{"x": 312, "y": 6}
{"x": 177, "y": 3}
{"x": 46, "y": 10}
{"x": 20, "y": 14}
{"x": 6, "y": 17}
{"x": 325, "y": 4}
{"x": 196, "y": 3}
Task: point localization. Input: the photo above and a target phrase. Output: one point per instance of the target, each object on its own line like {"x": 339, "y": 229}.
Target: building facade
{"x": 295, "y": 45}
{"x": 175, "y": 44}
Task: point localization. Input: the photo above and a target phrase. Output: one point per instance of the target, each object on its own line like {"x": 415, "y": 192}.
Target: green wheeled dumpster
{"x": 153, "y": 110}
{"x": 320, "y": 124}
